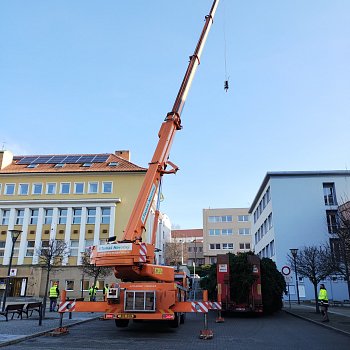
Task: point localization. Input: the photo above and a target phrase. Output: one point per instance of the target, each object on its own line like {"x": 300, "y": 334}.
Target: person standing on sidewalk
{"x": 53, "y": 295}
{"x": 323, "y": 300}
{"x": 92, "y": 293}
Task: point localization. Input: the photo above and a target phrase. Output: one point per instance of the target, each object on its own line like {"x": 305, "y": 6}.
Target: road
{"x": 280, "y": 331}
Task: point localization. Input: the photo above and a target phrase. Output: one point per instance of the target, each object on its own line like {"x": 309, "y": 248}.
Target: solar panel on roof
{"x": 85, "y": 159}
{"x": 42, "y": 160}
{"x": 71, "y": 159}
{"x": 27, "y": 160}
{"x": 56, "y": 159}
{"x": 100, "y": 158}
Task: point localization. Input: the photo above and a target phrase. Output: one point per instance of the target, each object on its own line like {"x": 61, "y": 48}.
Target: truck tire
{"x": 182, "y": 318}
{"x": 175, "y": 323}
{"x": 121, "y": 323}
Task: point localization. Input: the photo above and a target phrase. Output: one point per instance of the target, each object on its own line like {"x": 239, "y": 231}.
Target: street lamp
{"x": 14, "y": 235}
{"x": 182, "y": 251}
{"x": 195, "y": 252}
{"x": 294, "y": 253}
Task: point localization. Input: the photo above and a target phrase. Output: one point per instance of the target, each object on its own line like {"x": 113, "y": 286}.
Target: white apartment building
{"x": 296, "y": 209}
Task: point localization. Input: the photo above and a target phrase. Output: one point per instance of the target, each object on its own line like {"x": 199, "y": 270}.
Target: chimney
{"x": 6, "y": 158}
{"x": 123, "y": 154}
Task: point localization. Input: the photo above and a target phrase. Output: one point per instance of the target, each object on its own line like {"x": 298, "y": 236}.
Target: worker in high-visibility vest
{"x": 105, "y": 291}
{"x": 54, "y": 293}
{"x": 323, "y": 300}
{"x": 92, "y": 293}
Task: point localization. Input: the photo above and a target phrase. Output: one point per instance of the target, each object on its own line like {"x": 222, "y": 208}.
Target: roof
{"x": 93, "y": 163}
{"x": 198, "y": 232}
{"x": 294, "y": 174}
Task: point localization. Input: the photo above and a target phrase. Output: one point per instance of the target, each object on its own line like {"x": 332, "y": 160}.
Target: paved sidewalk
{"x": 16, "y": 330}
{"x": 339, "y": 316}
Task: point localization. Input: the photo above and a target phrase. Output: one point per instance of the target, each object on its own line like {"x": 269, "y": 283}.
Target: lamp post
{"x": 195, "y": 252}
{"x": 14, "y": 235}
{"x": 294, "y": 253}
{"x": 182, "y": 251}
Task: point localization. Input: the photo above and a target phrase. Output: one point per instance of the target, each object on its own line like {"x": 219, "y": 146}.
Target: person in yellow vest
{"x": 105, "y": 291}
{"x": 92, "y": 293}
{"x": 53, "y": 295}
{"x": 323, "y": 300}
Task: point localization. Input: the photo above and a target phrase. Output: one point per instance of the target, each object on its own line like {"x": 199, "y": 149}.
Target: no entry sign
{"x": 286, "y": 270}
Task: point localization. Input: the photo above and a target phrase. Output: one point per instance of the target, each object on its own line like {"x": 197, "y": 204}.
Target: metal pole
{"x": 296, "y": 278}
{"x": 288, "y": 294}
{"x": 8, "y": 275}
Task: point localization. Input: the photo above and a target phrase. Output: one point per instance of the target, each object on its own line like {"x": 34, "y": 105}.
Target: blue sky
{"x": 99, "y": 76}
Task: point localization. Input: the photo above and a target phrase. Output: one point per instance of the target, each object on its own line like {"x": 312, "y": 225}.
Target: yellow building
{"x": 82, "y": 199}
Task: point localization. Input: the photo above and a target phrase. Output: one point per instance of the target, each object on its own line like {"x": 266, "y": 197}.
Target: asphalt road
{"x": 280, "y": 331}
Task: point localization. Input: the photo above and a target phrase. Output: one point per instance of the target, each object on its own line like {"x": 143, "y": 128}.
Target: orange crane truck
{"x": 148, "y": 291}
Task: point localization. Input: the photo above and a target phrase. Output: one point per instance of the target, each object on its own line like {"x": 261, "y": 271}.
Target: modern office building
{"x": 225, "y": 230}
{"x": 80, "y": 199}
{"x": 297, "y": 209}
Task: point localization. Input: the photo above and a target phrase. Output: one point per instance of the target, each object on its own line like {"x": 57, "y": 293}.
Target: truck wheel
{"x": 121, "y": 323}
{"x": 182, "y": 318}
{"x": 176, "y": 321}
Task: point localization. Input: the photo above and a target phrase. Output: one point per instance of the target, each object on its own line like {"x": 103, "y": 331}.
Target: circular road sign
{"x": 286, "y": 270}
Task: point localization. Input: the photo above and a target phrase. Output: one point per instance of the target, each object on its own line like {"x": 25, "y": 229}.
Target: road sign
{"x": 288, "y": 279}
{"x": 286, "y": 270}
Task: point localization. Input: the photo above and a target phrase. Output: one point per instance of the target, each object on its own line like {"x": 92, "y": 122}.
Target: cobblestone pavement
{"x": 339, "y": 316}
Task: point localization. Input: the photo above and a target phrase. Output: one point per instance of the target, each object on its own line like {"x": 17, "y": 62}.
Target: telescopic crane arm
{"x": 132, "y": 259}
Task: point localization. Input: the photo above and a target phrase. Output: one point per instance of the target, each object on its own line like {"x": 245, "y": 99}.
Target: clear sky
{"x": 89, "y": 76}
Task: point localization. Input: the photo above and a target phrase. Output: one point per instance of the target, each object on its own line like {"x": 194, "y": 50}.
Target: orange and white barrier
{"x": 67, "y": 306}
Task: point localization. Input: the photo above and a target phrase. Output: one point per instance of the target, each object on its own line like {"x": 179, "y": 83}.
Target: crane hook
{"x": 226, "y": 85}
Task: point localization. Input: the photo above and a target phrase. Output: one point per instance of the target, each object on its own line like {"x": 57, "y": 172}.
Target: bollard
{"x": 206, "y": 333}
{"x": 41, "y": 315}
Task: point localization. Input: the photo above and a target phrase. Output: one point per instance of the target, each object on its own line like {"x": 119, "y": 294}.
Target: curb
{"x": 318, "y": 323}
{"x": 34, "y": 335}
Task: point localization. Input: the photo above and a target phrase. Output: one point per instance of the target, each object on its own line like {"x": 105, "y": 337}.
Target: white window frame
{"x": 241, "y": 218}
{"x": 66, "y": 285}
{"x": 30, "y": 249}
{"x": 227, "y": 246}
{"x": 91, "y": 184}
{"x": 54, "y": 186}
{"x": 62, "y": 219}
{"x": 74, "y": 247}
{"x": 104, "y": 183}
{"x": 91, "y": 218}
{"x": 19, "y": 218}
{"x": 104, "y": 216}
{"x": 76, "y": 219}
{"x": 244, "y": 230}
{"x": 20, "y": 188}
{"x": 5, "y": 216}
{"x": 34, "y": 218}
{"x": 35, "y": 186}
{"x": 48, "y": 218}
{"x": 76, "y": 184}
{"x": 62, "y": 184}
{"x": 7, "y": 186}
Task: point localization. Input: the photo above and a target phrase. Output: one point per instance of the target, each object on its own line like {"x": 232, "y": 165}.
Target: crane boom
{"x": 171, "y": 124}
{"x": 132, "y": 259}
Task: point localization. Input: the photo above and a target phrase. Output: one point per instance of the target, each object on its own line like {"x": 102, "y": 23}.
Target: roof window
{"x": 87, "y": 165}
{"x": 112, "y": 164}
{"x": 59, "y": 165}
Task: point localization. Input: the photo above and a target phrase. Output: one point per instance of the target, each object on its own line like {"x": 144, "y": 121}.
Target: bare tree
{"x": 51, "y": 254}
{"x": 176, "y": 252}
{"x": 92, "y": 270}
{"x": 340, "y": 243}
{"x": 314, "y": 263}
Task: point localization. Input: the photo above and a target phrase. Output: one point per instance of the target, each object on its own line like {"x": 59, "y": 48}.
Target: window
{"x": 224, "y": 218}
{"x": 213, "y": 232}
{"x": 272, "y": 248}
{"x": 23, "y": 189}
{"x": 51, "y": 188}
{"x": 329, "y": 194}
{"x": 113, "y": 164}
{"x": 37, "y": 188}
{"x": 76, "y": 216}
{"x": 2, "y": 248}
{"x": 69, "y": 285}
{"x": 5, "y": 216}
{"x": 65, "y": 188}
{"x": 48, "y": 216}
{"x": 59, "y": 165}
{"x": 87, "y": 165}
{"x": 332, "y": 221}
{"x": 93, "y": 187}
{"x": 244, "y": 231}
{"x": 19, "y": 216}
{"x": 79, "y": 187}
{"x": 34, "y": 213}
{"x": 88, "y": 244}
{"x": 32, "y": 166}
{"x": 214, "y": 246}
{"x": 16, "y": 249}
{"x": 106, "y": 187}
{"x": 10, "y": 189}
{"x": 62, "y": 216}
{"x": 227, "y": 232}
{"x": 91, "y": 215}
{"x": 85, "y": 285}
{"x": 243, "y": 218}
{"x": 105, "y": 215}
{"x": 227, "y": 246}
{"x": 0, "y": 188}
{"x": 74, "y": 246}
{"x": 30, "y": 248}
{"x": 336, "y": 249}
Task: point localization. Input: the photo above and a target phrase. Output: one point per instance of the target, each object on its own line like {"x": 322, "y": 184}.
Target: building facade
{"x": 225, "y": 230}
{"x": 294, "y": 210}
{"x": 79, "y": 199}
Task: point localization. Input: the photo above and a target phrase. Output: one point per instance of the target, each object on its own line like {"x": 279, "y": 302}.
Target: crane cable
{"x": 226, "y": 86}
